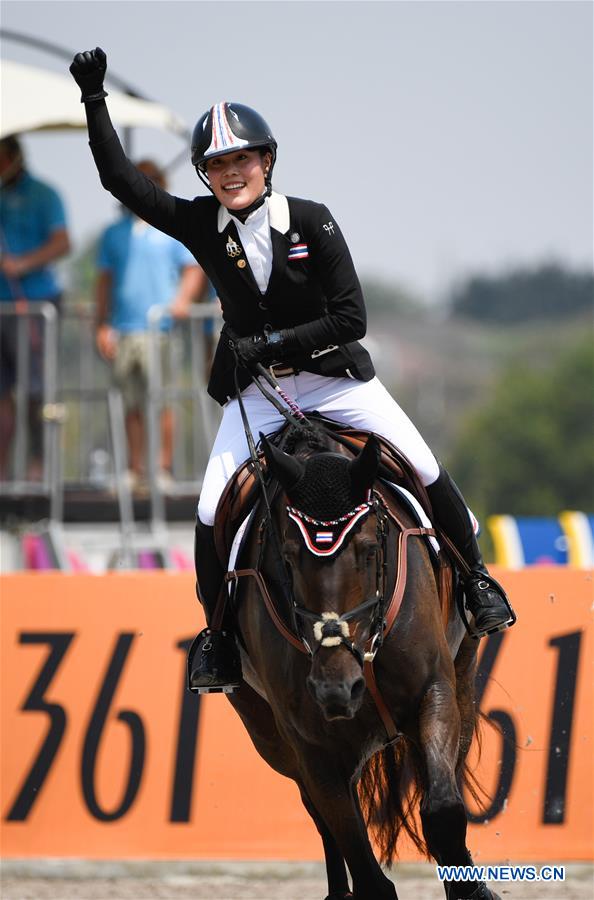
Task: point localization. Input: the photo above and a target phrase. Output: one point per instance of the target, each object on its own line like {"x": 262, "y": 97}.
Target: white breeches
{"x": 362, "y": 404}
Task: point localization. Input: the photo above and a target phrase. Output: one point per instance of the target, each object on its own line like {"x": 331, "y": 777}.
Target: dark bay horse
{"x": 305, "y": 700}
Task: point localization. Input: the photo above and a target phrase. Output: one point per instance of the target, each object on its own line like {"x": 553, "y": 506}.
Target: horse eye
{"x": 290, "y": 552}
{"x": 368, "y": 551}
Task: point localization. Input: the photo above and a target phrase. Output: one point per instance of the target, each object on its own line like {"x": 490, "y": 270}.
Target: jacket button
{"x": 262, "y": 306}
{"x": 241, "y": 263}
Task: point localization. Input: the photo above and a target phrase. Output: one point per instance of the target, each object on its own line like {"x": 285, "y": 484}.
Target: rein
{"x": 284, "y": 575}
{"x": 296, "y": 418}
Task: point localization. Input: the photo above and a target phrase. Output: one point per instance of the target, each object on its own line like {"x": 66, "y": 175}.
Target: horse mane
{"x": 301, "y": 439}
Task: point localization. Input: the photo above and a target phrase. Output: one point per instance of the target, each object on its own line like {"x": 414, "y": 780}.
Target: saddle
{"x": 243, "y": 489}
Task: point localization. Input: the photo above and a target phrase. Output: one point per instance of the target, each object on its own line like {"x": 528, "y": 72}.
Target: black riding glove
{"x": 264, "y": 348}
{"x": 88, "y": 70}
{"x": 253, "y": 349}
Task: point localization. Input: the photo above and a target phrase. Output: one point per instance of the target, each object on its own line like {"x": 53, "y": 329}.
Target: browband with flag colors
{"x": 223, "y": 137}
{"x": 326, "y": 538}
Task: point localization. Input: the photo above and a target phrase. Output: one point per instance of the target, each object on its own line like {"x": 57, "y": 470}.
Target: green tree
{"x": 386, "y": 297}
{"x": 530, "y": 451}
{"x": 550, "y": 291}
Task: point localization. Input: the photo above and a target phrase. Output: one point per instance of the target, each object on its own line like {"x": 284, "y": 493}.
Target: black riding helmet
{"x": 226, "y": 128}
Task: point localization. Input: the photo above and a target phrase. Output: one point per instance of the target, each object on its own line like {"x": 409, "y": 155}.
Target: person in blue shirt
{"x": 33, "y": 235}
{"x": 140, "y": 267}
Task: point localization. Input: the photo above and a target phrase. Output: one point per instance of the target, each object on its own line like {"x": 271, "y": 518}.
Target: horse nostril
{"x": 358, "y": 689}
{"x": 311, "y": 687}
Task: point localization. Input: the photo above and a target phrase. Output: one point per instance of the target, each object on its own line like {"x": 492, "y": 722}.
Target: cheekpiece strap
{"x": 326, "y": 538}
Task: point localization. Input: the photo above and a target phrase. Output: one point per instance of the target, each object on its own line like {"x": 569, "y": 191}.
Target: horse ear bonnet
{"x": 331, "y": 484}
{"x": 326, "y": 485}
{"x": 325, "y": 490}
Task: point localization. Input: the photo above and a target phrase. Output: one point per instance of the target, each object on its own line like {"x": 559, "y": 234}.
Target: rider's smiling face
{"x": 238, "y": 179}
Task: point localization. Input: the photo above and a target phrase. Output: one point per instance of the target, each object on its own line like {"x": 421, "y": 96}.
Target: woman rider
{"x": 288, "y": 288}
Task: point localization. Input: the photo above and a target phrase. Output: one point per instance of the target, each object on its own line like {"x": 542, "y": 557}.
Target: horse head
{"x": 332, "y": 534}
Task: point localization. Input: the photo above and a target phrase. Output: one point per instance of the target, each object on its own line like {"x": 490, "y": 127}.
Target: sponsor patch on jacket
{"x": 298, "y": 251}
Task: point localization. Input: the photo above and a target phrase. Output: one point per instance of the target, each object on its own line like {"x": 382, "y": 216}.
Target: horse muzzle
{"x": 338, "y": 698}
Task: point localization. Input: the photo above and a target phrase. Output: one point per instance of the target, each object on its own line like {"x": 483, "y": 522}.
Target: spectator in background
{"x": 33, "y": 235}
{"x": 139, "y": 267}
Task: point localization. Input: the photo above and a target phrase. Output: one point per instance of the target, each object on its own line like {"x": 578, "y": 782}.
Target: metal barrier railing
{"x": 195, "y": 414}
{"x": 75, "y": 407}
{"x": 31, "y": 334}
{"x": 83, "y": 385}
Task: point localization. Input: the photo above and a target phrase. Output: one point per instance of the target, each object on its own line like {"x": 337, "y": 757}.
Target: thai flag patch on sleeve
{"x": 299, "y": 251}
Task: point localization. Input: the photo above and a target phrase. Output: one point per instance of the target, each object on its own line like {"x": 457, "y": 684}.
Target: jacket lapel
{"x": 280, "y": 223}
{"x": 236, "y": 255}
{"x": 280, "y": 254}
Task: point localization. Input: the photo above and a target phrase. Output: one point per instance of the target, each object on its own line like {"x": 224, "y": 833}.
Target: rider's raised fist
{"x": 88, "y": 70}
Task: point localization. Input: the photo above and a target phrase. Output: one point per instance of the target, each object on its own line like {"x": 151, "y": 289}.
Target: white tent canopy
{"x": 34, "y": 99}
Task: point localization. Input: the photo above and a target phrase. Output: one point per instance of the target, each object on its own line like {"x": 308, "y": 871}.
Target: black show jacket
{"x": 313, "y": 290}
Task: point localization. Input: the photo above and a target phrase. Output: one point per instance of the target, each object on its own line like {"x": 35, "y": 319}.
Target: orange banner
{"x": 105, "y": 755}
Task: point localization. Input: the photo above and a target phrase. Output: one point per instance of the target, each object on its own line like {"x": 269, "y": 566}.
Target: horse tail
{"x": 390, "y": 787}
{"x": 389, "y": 792}
{"x": 467, "y": 778}
{"x": 472, "y": 720}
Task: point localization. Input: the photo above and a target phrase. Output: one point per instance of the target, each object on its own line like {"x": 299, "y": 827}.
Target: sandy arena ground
{"x": 76, "y": 880}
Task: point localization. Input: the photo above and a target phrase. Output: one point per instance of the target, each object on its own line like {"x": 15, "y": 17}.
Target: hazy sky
{"x": 445, "y": 137}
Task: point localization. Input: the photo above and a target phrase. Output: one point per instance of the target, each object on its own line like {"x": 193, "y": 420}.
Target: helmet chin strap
{"x": 242, "y": 214}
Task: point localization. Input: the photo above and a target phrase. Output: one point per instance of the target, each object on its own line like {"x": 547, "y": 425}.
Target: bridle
{"x": 331, "y": 629}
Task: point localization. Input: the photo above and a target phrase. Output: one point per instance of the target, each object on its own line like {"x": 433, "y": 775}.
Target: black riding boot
{"x": 485, "y": 598}
{"x": 214, "y": 663}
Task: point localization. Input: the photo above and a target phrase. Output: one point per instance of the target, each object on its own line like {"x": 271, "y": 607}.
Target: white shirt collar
{"x": 277, "y": 206}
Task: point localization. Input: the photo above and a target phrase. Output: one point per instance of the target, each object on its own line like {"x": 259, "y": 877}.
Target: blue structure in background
{"x": 529, "y": 541}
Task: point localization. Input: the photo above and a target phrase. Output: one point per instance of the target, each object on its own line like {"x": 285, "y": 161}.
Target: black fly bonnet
{"x": 327, "y": 495}
{"x": 324, "y": 506}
